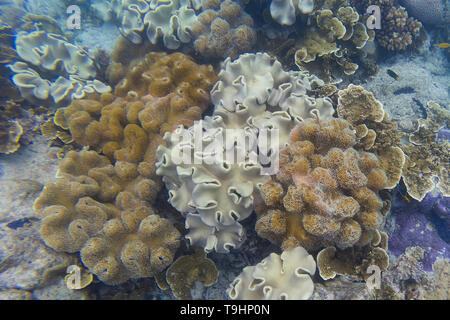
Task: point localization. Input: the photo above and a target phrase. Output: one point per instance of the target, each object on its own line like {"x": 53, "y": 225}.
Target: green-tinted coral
{"x": 186, "y": 270}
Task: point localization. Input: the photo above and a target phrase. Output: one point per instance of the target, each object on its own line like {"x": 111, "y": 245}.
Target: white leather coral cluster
{"x": 49, "y": 51}
{"x": 277, "y": 277}
{"x": 254, "y": 95}
{"x": 284, "y": 11}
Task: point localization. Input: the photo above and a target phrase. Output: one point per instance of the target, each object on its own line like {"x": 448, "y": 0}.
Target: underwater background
{"x": 95, "y": 96}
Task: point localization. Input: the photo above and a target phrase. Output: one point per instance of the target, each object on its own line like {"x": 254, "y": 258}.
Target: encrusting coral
{"x": 253, "y": 93}
{"x": 374, "y": 131}
{"x": 223, "y": 30}
{"x": 427, "y": 157}
{"x": 103, "y": 211}
{"x": 186, "y": 270}
{"x": 354, "y": 262}
{"x": 10, "y": 133}
{"x": 277, "y": 277}
{"x": 325, "y": 193}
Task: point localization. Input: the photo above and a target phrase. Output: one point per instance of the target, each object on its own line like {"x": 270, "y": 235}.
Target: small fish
{"x": 404, "y": 196}
{"x": 392, "y": 74}
{"x": 444, "y": 45}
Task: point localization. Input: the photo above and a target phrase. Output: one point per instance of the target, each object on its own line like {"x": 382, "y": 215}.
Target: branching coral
{"x": 398, "y": 31}
{"x": 224, "y": 31}
{"x": 285, "y": 277}
{"x": 103, "y": 211}
{"x": 216, "y": 191}
{"x": 326, "y": 192}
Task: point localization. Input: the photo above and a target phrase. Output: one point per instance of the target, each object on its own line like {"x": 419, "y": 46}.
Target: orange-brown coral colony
{"x": 101, "y": 205}
{"x": 325, "y": 193}
{"x": 157, "y": 94}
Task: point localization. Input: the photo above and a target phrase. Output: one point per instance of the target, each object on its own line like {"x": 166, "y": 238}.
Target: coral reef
{"x": 223, "y": 30}
{"x": 277, "y": 277}
{"x": 326, "y": 192}
{"x": 406, "y": 279}
{"x": 101, "y": 206}
{"x": 186, "y": 270}
{"x": 419, "y": 160}
{"x": 10, "y": 133}
{"x": 399, "y": 31}
{"x": 103, "y": 211}
{"x": 158, "y": 93}
{"x": 172, "y": 20}
{"x": 253, "y": 93}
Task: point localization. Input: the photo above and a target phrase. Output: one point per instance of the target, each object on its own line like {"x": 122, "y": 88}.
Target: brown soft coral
{"x": 101, "y": 205}
{"x": 158, "y": 94}
{"x": 223, "y": 30}
{"x": 103, "y": 211}
{"x": 325, "y": 193}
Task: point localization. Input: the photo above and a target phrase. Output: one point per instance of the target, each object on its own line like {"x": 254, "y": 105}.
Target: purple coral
{"x": 418, "y": 224}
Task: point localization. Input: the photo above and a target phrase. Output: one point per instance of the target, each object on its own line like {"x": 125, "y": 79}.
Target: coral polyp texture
{"x": 156, "y": 95}
{"x": 102, "y": 205}
{"x": 277, "y": 277}
{"x": 104, "y": 212}
{"x": 326, "y": 192}
{"x": 223, "y": 30}
{"x": 253, "y": 93}
{"x": 52, "y": 52}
